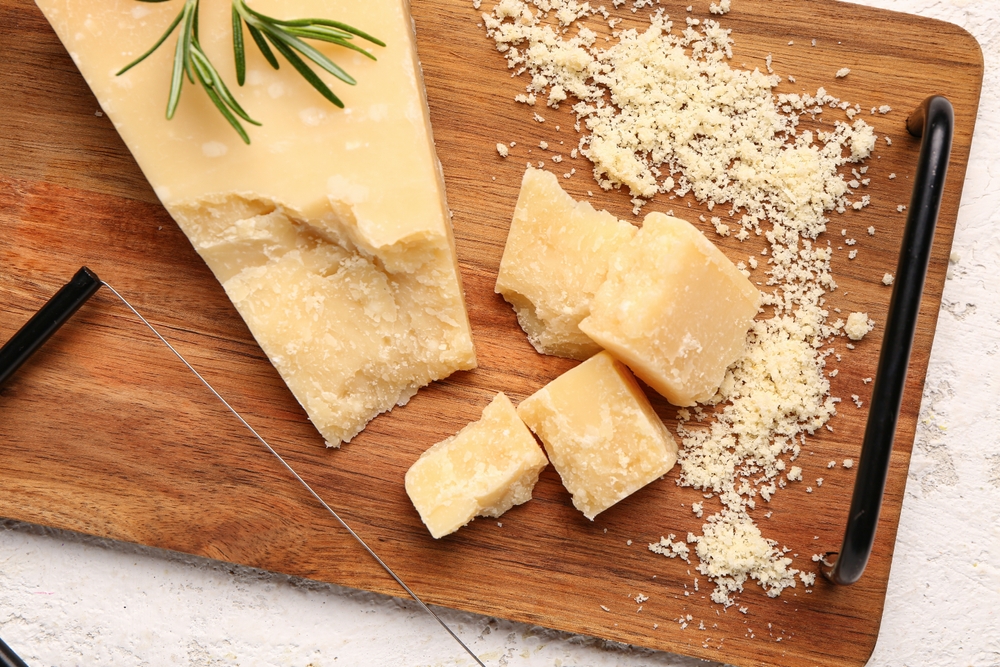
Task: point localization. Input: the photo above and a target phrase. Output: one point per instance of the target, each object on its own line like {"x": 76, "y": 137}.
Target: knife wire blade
{"x": 319, "y": 499}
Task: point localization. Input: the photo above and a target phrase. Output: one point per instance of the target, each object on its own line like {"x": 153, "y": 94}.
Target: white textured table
{"x": 71, "y": 600}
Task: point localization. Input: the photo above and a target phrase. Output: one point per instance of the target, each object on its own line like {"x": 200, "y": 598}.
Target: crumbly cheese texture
{"x": 484, "y": 470}
{"x": 330, "y": 232}
{"x": 674, "y": 309}
{"x": 600, "y": 432}
{"x": 555, "y": 259}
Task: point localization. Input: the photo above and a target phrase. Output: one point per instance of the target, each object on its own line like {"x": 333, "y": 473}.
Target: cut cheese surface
{"x": 556, "y": 257}
{"x": 674, "y": 309}
{"x": 484, "y": 470}
{"x": 330, "y": 231}
{"x": 600, "y": 432}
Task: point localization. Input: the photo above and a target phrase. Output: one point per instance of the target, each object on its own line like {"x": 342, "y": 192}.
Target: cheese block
{"x": 484, "y": 470}
{"x": 600, "y": 432}
{"x": 330, "y": 231}
{"x": 674, "y": 309}
{"x": 556, "y": 257}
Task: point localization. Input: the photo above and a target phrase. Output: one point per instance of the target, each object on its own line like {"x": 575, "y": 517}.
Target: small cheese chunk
{"x": 556, "y": 257}
{"x": 600, "y": 432}
{"x": 484, "y": 470}
{"x": 330, "y": 231}
{"x": 858, "y": 325}
{"x": 674, "y": 309}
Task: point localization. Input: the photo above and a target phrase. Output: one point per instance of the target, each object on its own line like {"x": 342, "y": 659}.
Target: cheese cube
{"x": 600, "y": 433}
{"x": 330, "y": 231}
{"x": 674, "y": 309}
{"x": 556, "y": 257}
{"x": 484, "y": 470}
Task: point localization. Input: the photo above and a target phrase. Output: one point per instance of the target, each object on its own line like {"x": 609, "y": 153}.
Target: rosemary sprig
{"x": 284, "y": 35}
{"x": 190, "y": 60}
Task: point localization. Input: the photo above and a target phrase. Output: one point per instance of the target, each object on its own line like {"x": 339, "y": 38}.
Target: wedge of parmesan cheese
{"x": 556, "y": 257}
{"x": 484, "y": 470}
{"x": 330, "y": 232}
{"x": 674, "y": 309}
{"x": 600, "y": 432}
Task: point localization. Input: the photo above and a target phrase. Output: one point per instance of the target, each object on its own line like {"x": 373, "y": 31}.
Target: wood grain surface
{"x": 105, "y": 433}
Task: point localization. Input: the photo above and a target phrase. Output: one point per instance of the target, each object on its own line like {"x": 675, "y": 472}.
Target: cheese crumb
{"x": 858, "y": 325}
{"x": 842, "y": 72}
{"x": 795, "y": 474}
{"x": 722, "y": 7}
{"x": 671, "y": 549}
{"x": 503, "y": 150}
{"x": 848, "y": 463}
{"x": 887, "y": 279}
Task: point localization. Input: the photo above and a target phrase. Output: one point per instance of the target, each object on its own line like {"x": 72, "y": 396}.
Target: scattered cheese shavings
{"x": 503, "y": 150}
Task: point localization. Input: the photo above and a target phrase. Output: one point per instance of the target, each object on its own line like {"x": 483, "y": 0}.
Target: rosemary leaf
{"x": 262, "y": 45}
{"x": 212, "y": 95}
{"x": 304, "y": 70}
{"x": 311, "y": 34}
{"x": 207, "y": 72}
{"x": 162, "y": 39}
{"x": 177, "y": 79}
{"x": 308, "y": 51}
{"x": 239, "y": 55}
{"x": 324, "y": 22}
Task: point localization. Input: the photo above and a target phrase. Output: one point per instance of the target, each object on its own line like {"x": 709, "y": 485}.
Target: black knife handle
{"x": 46, "y": 322}
{"x": 8, "y": 658}
{"x": 934, "y": 120}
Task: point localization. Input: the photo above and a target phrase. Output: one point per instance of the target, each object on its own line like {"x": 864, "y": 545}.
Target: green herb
{"x": 286, "y": 36}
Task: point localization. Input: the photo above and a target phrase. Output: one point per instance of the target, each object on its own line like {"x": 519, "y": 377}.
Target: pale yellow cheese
{"x": 600, "y": 432}
{"x": 556, "y": 257}
{"x": 330, "y": 232}
{"x": 484, "y": 470}
{"x": 674, "y": 309}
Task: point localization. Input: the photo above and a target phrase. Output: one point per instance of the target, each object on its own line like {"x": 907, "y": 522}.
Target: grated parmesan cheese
{"x": 503, "y": 150}
{"x": 842, "y": 72}
{"x": 663, "y": 112}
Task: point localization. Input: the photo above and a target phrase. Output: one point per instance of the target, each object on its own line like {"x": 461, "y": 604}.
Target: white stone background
{"x": 67, "y": 600}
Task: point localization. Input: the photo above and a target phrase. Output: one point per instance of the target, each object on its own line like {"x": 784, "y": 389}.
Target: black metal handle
{"x": 8, "y": 658}
{"x": 47, "y": 321}
{"x": 934, "y": 120}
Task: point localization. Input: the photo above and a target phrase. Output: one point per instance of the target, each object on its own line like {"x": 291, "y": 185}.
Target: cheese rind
{"x": 330, "y": 231}
{"x": 484, "y": 470}
{"x": 555, "y": 258}
{"x": 600, "y": 432}
{"x": 674, "y": 309}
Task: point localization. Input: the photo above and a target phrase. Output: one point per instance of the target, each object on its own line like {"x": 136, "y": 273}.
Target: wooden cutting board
{"x": 105, "y": 433}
